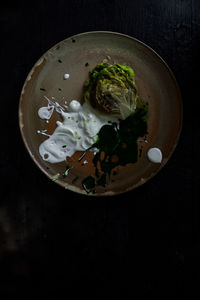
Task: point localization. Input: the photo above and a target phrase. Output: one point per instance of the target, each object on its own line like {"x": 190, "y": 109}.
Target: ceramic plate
{"x": 76, "y": 56}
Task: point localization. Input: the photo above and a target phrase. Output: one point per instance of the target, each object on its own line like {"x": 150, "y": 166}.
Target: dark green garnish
{"x": 42, "y": 89}
{"x": 64, "y": 146}
{"x": 88, "y": 184}
{"x": 73, "y": 40}
{"x": 86, "y": 64}
{"x": 60, "y": 61}
{"x": 59, "y": 89}
{"x": 75, "y": 179}
{"x": 118, "y": 145}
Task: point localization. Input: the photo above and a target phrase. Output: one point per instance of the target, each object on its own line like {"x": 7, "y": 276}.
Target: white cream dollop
{"x": 154, "y": 155}
{"x": 74, "y": 106}
{"x": 77, "y": 132}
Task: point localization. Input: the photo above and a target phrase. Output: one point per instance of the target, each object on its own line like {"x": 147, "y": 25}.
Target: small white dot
{"x": 66, "y": 76}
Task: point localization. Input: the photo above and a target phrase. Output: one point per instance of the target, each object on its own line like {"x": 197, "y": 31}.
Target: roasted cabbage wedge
{"x": 111, "y": 89}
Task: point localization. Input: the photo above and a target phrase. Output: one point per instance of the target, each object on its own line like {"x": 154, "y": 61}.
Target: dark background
{"x": 145, "y": 242}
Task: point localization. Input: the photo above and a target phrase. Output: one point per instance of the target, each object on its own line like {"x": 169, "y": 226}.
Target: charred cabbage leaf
{"x": 111, "y": 89}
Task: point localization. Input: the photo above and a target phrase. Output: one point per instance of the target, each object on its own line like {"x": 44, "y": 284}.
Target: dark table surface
{"x": 145, "y": 242}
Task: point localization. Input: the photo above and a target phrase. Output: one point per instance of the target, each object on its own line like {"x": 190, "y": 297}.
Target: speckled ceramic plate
{"x": 156, "y": 84}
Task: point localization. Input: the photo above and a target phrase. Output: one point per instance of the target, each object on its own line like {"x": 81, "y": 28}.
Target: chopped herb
{"x": 55, "y": 178}
{"x": 73, "y": 40}
{"x": 75, "y": 179}
{"x": 64, "y": 146}
{"x": 59, "y": 89}
{"x": 84, "y": 153}
{"x": 42, "y": 89}
{"x": 76, "y": 137}
{"x": 60, "y": 61}
{"x": 86, "y": 64}
{"x": 81, "y": 157}
{"x": 68, "y": 168}
{"x": 88, "y": 183}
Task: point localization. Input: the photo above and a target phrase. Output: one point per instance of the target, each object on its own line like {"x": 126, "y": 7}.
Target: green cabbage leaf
{"x": 111, "y": 89}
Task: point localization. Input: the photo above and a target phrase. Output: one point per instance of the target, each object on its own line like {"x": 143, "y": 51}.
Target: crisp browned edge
{"x": 142, "y": 180}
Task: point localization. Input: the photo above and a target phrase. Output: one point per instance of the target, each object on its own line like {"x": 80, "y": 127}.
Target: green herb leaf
{"x": 88, "y": 183}
{"x": 75, "y": 179}
{"x": 68, "y": 168}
